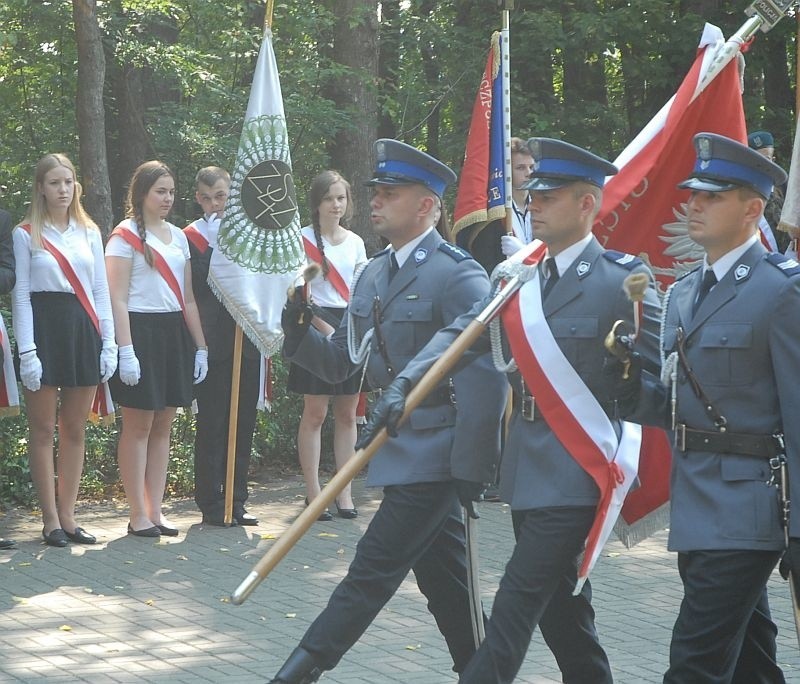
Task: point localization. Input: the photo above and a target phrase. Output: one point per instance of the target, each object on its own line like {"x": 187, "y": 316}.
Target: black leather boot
{"x": 299, "y": 668}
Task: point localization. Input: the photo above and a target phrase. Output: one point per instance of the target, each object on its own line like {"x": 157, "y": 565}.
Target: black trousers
{"x": 211, "y": 436}
{"x": 724, "y": 633}
{"x": 536, "y": 589}
{"x": 417, "y": 527}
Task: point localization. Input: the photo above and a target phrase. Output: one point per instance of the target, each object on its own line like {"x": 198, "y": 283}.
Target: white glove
{"x": 510, "y": 244}
{"x": 129, "y": 370}
{"x": 30, "y": 370}
{"x": 200, "y": 365}
{"x": 108, "y": 361}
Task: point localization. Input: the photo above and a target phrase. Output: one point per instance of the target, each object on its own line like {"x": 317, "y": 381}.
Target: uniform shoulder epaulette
{"x": 454, "y": 251}
{"x": 627, "y": 261}
{"x": 383, "y": 252}
{"x": 785, "y": 264}
{"x": 685, "y": 274}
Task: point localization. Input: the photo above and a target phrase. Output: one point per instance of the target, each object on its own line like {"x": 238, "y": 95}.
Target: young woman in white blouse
{"x": 161, "y": 344}
{"x": 340, "y": 252}
{"x": 65, "y": 337}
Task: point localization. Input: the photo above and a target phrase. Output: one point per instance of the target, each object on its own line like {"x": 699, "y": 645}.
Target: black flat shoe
{"x": 346, "y": 513}
{"x": 6, "y": 544}
{"x": 147, "y": 532}
{"x": 167, "y": 531}
{"x": 80, "y": 536}
{"x": 57, "y": 538}
{"x": 325, "y": 516}
{"x": 246, "y": 519}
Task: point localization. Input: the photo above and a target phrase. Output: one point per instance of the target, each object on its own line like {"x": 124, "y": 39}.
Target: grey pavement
{"x": 133, "y": 610}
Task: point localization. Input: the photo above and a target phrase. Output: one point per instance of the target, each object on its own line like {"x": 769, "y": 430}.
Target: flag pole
{"x": 505, "y": 52}
{"x": 236, "y": 372}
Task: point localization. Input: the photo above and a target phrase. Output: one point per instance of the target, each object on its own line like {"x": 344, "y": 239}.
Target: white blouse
{"x": 347, "y": 256}
{"x": 38, "y": 271}
{"x": 148, "y": 291}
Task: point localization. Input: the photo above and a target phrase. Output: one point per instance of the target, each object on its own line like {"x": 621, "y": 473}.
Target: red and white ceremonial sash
{"x": 196, "y": 238}
{"x": 333, "y": 277}
{"x": 102, "y": 407}
{"x": 160, "y": 263}
{"x": 572, "y": 412}
{"x": 9, "y": 394}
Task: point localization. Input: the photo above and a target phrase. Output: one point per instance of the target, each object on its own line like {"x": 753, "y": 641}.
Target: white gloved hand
{"x": 510, "y": 244}
{"x": 200, "y": 365}
{"x": 30, "y": 370}
{"x": 129, "y": 370}
{"x": 108, "y": 361}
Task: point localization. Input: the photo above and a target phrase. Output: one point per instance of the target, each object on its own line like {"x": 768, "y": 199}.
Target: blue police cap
{"x": 399, "y": 164}
{"x": 758, "y": 140}
{"x": 724, "y": 164}
{"x": 558, "y": 163}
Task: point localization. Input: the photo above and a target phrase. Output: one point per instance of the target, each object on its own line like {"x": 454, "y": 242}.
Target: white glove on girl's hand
{"x": 200, "y": 365}
{"x": 510, "y": 245}
{"x": 108, "y": 361}
{"x": 30, "y": 370}
{"x": 129, "y": 370}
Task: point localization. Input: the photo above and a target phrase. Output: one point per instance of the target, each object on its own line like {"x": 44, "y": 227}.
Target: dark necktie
{"x": 709, "y": 280}
{"x": 552, "y": 277}
{"x": 394, "y": 267}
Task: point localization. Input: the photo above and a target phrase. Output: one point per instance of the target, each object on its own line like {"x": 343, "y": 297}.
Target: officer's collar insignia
{"x": 420, "y": 255}
{"x": 741, "y": 272}
{"x": 583, "y": 268}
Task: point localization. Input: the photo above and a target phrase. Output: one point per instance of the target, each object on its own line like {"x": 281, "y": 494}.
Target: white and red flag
{"x": 644, "y": 213}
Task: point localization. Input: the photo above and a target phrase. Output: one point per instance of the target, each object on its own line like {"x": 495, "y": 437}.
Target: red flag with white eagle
{"x": 644, "y": 213}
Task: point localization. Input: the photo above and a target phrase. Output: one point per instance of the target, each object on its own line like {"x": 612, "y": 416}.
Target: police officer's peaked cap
{"x": 758, "y": 140}
{"x": 558, "y": 163}
{"x": 399, "y": 164}
{"x": 724, "y": 164}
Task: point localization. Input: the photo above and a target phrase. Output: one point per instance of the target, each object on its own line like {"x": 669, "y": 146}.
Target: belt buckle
{"x": 680, "y": 437}
{"x": 527, "y": 408}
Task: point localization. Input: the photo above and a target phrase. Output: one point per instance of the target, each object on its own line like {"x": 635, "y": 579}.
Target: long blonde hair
{"x": 37, "y": 214}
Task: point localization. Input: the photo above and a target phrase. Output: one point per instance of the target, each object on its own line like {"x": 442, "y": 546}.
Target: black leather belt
{"x": 761, "y": 446}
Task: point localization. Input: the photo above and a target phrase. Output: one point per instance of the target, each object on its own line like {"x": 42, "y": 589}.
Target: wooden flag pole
{"x": 233, "y": 422}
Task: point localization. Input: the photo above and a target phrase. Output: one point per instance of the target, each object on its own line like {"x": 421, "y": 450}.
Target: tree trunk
{"x": 388, "y": 63}
{"x": 90, "y": 114}
{"x": 355, "y": 45}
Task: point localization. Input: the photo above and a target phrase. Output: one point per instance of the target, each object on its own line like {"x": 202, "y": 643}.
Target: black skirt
{"x": 164, "y": 347}
{"x": 302, "y": 381}
{"x": 67, "y": 342}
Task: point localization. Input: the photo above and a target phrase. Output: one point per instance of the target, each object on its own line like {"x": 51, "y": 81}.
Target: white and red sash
{"x": 571, "y": 411}
{"x": 9, "y": 394}
{"x": 102, "y": 407}
{"x": 333, "y": 277}
{"x": 194, "y": 236}
{"x": 160, "y": 263}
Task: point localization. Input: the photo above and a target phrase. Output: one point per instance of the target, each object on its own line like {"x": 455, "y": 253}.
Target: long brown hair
{"x": 319, "y": 188}
{"x": 143, "y": 179}
{"x": 37, "y": 214}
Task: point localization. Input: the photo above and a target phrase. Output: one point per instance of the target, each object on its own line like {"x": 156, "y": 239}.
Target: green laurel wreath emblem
{"x": 261, "y": 229}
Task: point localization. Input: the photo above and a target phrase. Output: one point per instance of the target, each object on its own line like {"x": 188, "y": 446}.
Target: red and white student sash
{"x": 196, "y": 238}
{"x": 572, "y": 412}
{"x": 9, "y": 394}
{"x": 334, "y": 277}
{"x": 102, "y": 409}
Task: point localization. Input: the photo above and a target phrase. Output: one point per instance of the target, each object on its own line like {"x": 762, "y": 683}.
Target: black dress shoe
{"x": 167, "y": 531}
{"x": 81, "y": 536}
{"x": 7, "y": 544}
{"x": 245, "y": 519}
{"x": 325, "y": 516}
{"x": 346, "y": 513}
{"x": 56, "y": 538}
{"x": 299, "y": 668}
{"x": 218, "y": 521}
{"x": 152, "y": 532}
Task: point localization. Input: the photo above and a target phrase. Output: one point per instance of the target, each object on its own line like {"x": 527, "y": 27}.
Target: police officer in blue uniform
{"x": 553, "y": 499}
{"x": 450, "y": 444}
{"x": 730, "y": 340}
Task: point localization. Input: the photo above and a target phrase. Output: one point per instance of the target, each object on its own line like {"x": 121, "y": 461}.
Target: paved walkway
{"x": 133, "y": 610}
